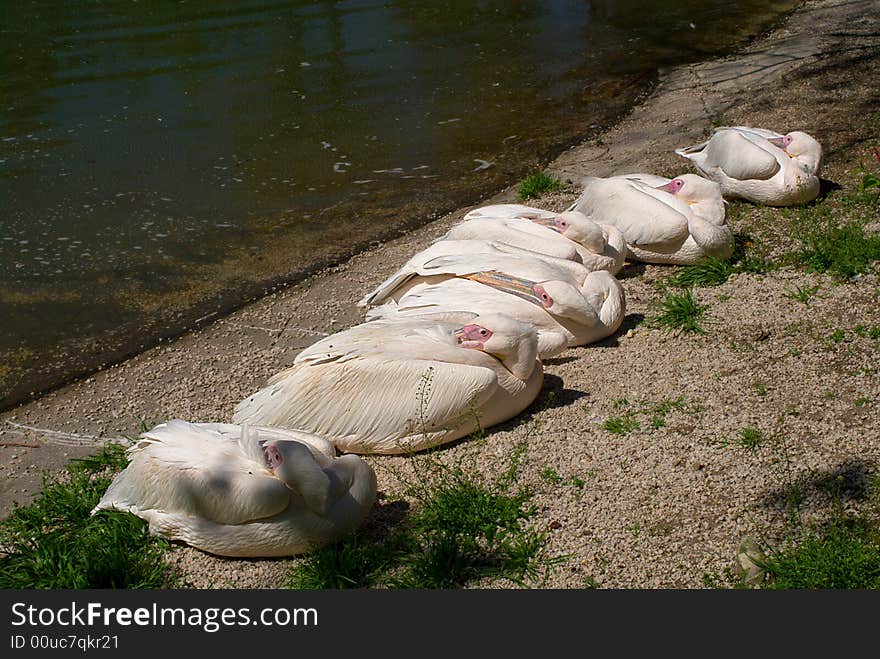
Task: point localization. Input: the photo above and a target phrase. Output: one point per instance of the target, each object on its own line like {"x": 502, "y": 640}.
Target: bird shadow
{"x": 826, "y": 187}
{"x": 630, "y": 321}
{"x": 815, "y": 489}
{"x": 554, "y": 394}
{"x": 631, "y": 269}
{"x": 385, "y": 515}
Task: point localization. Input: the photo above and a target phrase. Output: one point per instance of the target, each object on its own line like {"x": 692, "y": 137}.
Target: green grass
{"x": 869, "y": 182}
{"x": 536, "y": 184}
{"x": 844, "y": 555}
{"x": 751, "y": 438}
{"x": 462, "y": 528}
{"x": 803, "y": 293}
{"x": 656, "y": 412}
{"x": 621, "y": 425}
{"x": 55, "y": 543}
{"x": 833, "y": 239}
{"x": 760, "y": 388}
{"x": 707, "y": 272}
{"x": 680, "y": 312}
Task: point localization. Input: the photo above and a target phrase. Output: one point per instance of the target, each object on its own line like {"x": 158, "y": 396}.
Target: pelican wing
{"x": 416, "y": 265}
{"x": 373, "y": 337}
{"x": 516, "y": 232}
{"x": 509, "y": 211}
{"x": 647, "y": 217}
{"x": 741, "y": 155}
{"x": 373, "y": 399}
{"x": 457, "y": 296}
{"x": 647, "y": 179}
{"x": 748, "y": 130}
{"x": 536, "y": 269}
{"x": 184, "y": 468}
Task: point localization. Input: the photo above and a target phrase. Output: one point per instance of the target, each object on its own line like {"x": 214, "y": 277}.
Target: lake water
{"x": 162, "y": 162}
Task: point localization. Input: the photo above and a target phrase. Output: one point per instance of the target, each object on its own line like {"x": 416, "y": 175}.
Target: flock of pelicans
{"x": 453, "y": 339}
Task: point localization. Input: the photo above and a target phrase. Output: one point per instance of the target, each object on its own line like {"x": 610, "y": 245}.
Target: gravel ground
{"x": 659, "y": 507}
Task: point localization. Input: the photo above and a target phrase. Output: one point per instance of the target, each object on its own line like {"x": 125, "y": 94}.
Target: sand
{"x": 659, "y": 507}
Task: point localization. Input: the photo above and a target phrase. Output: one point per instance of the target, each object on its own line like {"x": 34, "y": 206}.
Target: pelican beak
{"x": 273, "y": 456}
{"x": 472, "y": 336}
{"x": 777, "y": 141}
{"x": 549, "y": 222}
{"x": 521, "y": 288}
{"x": 668, "y": 187}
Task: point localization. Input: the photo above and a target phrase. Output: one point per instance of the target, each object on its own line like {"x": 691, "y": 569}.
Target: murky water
{"x": 161, "y": 161}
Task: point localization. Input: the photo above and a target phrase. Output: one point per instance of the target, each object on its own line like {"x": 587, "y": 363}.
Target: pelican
{"x": 492, "y": 254}
{"x": 565, "y": 310}
{"x": 760, "y": 165}
{"x": 394, "y": 386}
{"x": 568, "y": 235}
{"x": 242, "y": 491}
{"x": 663, "y": 220}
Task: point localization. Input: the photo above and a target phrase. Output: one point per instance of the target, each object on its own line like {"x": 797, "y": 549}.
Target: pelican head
{"x": 702, "y": 195}
{"x": 577, "y": 227}
{"x": 804, "y": 148}
{"x": 560, "y": 298}
{"x": 513, "y": 342}
{"x": 295, "y": 465}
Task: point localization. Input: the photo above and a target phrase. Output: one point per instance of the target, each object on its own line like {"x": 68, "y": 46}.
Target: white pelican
{"x": 490, "y": 254}
{"x": 760, "y": 165}
{"x": 567, "y": 235}
{"x": 565, "y": 310}
{"x": 242, "y": 491}
{"x": 663, "y": 220}
{"x": 405, "y": 385}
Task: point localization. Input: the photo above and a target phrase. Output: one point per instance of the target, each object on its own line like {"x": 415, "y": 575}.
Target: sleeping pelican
{"x": 405, "y": 385}
{"x": 663, "y": 220}
{"x": 491, "y": 254}
{"x": 242, "y": 491}
{"x": 568, "y": 235}
{"x": 566, "y": 311}
{"x": 760, "y": 165}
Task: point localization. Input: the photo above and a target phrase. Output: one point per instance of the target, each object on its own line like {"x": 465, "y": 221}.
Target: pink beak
{"x": 472, "y": 336}
{"x": 549, "y": 222}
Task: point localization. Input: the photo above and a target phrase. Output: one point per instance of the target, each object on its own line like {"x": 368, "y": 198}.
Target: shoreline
{"x": 201, "y": 375}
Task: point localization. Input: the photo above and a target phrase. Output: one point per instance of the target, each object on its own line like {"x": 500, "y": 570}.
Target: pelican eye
{"x": 483, "y": 332}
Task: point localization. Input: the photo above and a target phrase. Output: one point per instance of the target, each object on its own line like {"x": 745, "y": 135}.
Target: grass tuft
{"x": 845, "y": 555}
{"x": 536, "y": 184}
{"x": 463, "y": 528}
{"x": 830, "y": 244}
{"x": 803, "y": 293}
{"x": 621, "y": 425}
{"x": 751, "y": 438}
{"x": 680, "y": 313}
{"x": 707, "y": 272}
{"x": 55, "y": 543}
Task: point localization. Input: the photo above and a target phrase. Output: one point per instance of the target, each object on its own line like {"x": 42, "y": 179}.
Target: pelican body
{"x": 568, "y": 235}
{"x": 242, "y": 491}
{"x": 565, "y": 309}
{"x": 395, "y": 386}
{"x": 760, "y": 165}
{"x": 680, "y": 220}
